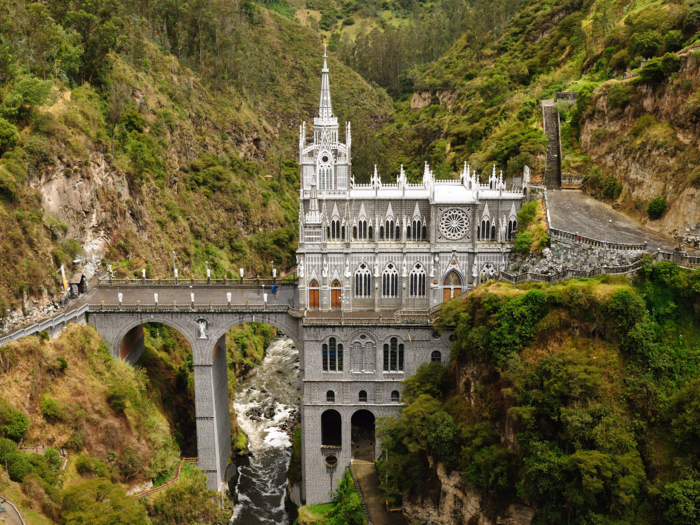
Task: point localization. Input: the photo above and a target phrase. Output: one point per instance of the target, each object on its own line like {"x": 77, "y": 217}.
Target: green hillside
{"x": 121, "y": 139}
{"x": 577, "y": 399}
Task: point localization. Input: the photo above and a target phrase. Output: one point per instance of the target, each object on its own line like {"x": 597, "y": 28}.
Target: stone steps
{"x": 550, "y": 123}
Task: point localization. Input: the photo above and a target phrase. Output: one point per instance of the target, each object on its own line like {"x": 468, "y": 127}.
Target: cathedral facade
{"x": 368, "y": 254}
{"x": 398, "y": 246}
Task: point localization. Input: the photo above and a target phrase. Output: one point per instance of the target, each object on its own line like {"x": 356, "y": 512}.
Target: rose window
{"x": 454, "y": 224}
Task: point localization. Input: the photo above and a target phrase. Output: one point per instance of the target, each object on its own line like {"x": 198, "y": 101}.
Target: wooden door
{"x": 335, "y": 298}
{"x": 313, "y": 295}
{"x": 450, "y": 293}
{"x": 446, "y": 294}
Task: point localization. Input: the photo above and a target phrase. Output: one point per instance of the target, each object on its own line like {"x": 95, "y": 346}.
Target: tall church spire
{"x": 325, "y": 111}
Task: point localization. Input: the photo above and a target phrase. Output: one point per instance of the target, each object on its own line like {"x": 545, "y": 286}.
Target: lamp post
{"x": 241, "y": 271}
{"x": 208, "y": 272}
{"x": 174, "y": 266}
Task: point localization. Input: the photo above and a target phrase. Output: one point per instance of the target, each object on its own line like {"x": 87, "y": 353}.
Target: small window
{"x": 330, "y": 396}
{"x": 363, "y": 396}
{"x": 436, "y": 357}
{"x": 395, "y": 397}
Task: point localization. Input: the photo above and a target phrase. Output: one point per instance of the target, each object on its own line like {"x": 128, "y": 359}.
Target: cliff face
{"x": 651, "y": 145}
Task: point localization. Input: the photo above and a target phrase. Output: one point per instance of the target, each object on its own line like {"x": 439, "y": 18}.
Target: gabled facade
{"x": 359, "y": 244}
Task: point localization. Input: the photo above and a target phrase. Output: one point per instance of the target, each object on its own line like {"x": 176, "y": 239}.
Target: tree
{"x": 656, "y": 207}
{"x": 8, "y": 135}
{"x": 118, "y": 97}
{"x": 99, "y": 502}
{"x": 13, "y": 423}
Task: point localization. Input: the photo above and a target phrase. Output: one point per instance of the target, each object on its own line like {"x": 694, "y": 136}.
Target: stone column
{"x": 212, "y": 414}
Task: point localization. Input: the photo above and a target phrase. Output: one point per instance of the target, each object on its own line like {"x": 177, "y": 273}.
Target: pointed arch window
{"x": 389, "y": 229}
{"x": 363, "y": 281}
{"x": 417, "y": 281}
{"x": 362, "y": 232}
{"x": 390, "y": 281}
{"x": 512, "y": 229}
{"x": 332, "y": 355}
{"x": 335, "y": 229}
{"x": 415, "y": 232}
{"x": 393, "y": 356}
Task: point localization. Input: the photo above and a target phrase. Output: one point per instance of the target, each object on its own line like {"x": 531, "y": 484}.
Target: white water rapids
{"x": 263, "y": 403}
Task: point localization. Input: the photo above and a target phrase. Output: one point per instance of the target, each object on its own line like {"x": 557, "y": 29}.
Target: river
{"x": 265, "y": 404}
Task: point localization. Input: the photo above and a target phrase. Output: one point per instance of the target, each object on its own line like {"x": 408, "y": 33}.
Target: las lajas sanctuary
{"x": 370, "y": 254}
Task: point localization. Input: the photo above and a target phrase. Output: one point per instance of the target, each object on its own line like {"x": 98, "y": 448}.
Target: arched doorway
{"x": 452, "y": 286}
{"x": 331, "y": 429}
{"x": 362, "y": 432}
{"x": 336, "y": 292}
{"x": 313, "y": 294}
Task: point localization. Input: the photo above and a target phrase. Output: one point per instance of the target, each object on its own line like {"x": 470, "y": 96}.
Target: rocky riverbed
{"x": 267, "y": 409}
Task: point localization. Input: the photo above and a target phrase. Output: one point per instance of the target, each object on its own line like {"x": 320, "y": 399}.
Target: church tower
{"x": 326, "y": 161}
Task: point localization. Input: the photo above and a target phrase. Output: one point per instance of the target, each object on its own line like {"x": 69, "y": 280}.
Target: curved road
{"x": 10, "y": 516}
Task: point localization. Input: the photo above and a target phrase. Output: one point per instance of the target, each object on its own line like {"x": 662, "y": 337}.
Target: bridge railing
{"x": 562, "y": 235}
{"x": 41, "y": 326}
{"x": 233, "y": 283}
{"x": 189, "y": 307}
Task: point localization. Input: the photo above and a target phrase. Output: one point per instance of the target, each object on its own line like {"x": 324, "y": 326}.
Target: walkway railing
{"x": 681, "y": 259}
{"x": 165, "y": 485}
{"x": 169, "y": 283}
{"x": 41, "y": 326}
{"x": 567, "y": 274}
{"x": 562, "y": 235}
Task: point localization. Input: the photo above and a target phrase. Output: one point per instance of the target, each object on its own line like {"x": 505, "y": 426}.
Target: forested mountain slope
{"x": 133, "y": 129}
{"x": 633, "y": 132}
{"x": 569, "y": 403}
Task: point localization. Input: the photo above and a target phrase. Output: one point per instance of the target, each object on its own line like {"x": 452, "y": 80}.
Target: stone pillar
{"x": 213, "y": 420}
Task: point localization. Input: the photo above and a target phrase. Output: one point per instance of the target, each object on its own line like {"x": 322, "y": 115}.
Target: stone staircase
{"x": 550, "y": 123}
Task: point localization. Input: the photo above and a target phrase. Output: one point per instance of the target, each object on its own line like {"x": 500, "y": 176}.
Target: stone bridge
{"x": 118, "y": 312}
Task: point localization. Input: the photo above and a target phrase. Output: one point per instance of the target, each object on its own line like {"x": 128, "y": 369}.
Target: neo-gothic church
{"x": 400, "y": 246}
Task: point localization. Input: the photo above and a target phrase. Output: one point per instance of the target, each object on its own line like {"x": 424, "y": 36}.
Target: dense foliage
{"x": 599, "y": 381}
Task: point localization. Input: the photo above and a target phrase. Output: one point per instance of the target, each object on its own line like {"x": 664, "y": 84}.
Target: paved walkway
{"x": 575, "y": 211}
{"x": 368, "y": 480}
{"x": 10, "y": 516}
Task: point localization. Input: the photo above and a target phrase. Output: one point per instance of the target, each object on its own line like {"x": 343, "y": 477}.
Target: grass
{"x": 310, "y": 514}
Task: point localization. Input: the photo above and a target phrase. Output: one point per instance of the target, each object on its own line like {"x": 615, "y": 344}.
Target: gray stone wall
{"x": 419, "y": 343}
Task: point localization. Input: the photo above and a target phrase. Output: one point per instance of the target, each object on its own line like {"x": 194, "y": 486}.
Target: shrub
{"x": 658, "y": 69}
{"x": 8, "y": 135}
{"x": 62, "y": 364}
{"x": 13, "y": 423}
{"x": 118, "y": 394}
{"x": 670, "y": 63}
{"x": 28, "y": 92}
{"x": 50, "y": 409}
{"x": 646, "y": 44}
{"x": 692, "y": 20}
{"x": 349, "y": 21}
{"x": 682, "y": 502}
{"x": 656, "y": 207}
{"x": 99, "y": 502}
{"x": 673, "y": 41}
{"x": 523, "y": 242}
{"x": 618, "y": 96}
{"x": 612, "y": 188}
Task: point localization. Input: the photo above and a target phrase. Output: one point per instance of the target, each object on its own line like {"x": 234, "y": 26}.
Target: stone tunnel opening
{"x": 362, "y": 432}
